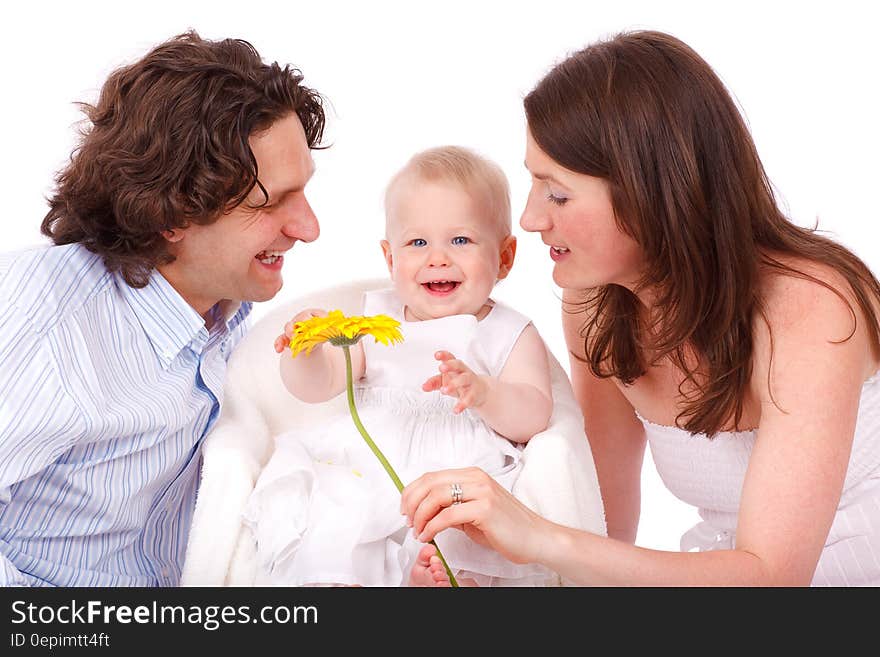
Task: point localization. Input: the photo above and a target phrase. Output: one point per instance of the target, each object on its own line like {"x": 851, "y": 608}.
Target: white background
{"x": 402, "y": 76}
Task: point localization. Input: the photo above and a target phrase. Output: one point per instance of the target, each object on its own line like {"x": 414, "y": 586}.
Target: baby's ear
{"x": 386, "y": 252}
{"x": 506, "y": 255}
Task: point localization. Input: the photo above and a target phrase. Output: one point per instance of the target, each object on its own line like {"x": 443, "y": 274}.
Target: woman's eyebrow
{"x": 545, "y": 176}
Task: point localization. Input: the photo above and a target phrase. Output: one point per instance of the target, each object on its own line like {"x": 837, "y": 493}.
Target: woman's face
{"x": 573, "y": 213}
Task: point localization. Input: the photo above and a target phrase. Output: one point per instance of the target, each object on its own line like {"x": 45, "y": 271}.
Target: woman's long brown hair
{"x": 647, "y": 114}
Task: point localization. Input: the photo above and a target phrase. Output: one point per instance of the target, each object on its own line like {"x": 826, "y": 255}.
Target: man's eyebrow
{"x": 274, "y": 195}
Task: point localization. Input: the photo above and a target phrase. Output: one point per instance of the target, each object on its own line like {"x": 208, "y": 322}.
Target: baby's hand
{"x": 457, "y": 380}
{"x": 282, "y": 342}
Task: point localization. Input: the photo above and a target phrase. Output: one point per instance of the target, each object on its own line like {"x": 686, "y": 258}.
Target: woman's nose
{"x": 534, "y": 217}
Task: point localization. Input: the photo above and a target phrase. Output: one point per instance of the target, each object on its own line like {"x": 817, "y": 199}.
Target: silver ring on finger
{"x": 456, "y": 493}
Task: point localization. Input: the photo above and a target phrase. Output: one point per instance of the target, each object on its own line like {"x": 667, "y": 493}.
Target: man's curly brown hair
{"x": 167, "y": 146}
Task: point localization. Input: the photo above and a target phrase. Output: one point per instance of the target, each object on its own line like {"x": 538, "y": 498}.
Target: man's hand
{"x": 282, "y": 342}
{"x": 458, "y": 380}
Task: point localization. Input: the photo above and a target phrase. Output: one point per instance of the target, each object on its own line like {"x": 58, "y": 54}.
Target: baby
{"x": 469, "y": 386}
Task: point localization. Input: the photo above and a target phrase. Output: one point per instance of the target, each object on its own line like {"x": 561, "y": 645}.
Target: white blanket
{"x": 558, "y": 479}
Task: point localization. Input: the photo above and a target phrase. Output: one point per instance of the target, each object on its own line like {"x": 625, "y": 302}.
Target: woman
{"x": 743, "y": 348}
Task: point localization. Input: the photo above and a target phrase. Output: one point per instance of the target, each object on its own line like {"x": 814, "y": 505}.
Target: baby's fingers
{"x": 454, "y": 367}
{"x": 456, "y": 383}
{"x": 302, "y": 316}
{"x": 465, "y": 400}
{"x": 432, "y": 384}
{"x": 443, "y": 355}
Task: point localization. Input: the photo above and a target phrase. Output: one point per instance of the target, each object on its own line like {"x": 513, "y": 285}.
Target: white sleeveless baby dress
{"x": 709, "y": 474}
{"x": 325, "y": 511}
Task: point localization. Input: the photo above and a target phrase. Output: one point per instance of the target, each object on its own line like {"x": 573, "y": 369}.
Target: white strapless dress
{"x": 709, "y": 475}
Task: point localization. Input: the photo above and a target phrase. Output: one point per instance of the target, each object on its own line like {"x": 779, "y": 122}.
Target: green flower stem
{"x": 375, "y": 449}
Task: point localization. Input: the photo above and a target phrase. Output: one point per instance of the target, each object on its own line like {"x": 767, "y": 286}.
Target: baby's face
{"x": 444, "y": 252}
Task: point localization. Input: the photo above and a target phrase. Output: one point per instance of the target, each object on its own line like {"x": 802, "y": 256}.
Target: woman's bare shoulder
{"x": 805, "y": 301}
{"x": 799, "y": 287}
{"x": 781, "y": 273}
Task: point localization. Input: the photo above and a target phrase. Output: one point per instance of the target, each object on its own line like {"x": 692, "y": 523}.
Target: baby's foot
{"x": 428, "y": 569}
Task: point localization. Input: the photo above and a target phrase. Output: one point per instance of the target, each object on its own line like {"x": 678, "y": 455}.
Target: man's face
{"x": 239, "y": 256}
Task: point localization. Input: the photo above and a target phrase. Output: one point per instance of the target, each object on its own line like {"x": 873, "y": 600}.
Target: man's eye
{"x": 418, "y": 242}
{"x": 461, "y": 239}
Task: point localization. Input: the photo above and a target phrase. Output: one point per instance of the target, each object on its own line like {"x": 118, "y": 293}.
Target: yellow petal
{"x": 309, "y": 333}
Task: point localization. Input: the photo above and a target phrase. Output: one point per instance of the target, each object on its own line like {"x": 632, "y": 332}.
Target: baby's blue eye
{"x": 418, "y": 242}
{"x": 460, "y": 240}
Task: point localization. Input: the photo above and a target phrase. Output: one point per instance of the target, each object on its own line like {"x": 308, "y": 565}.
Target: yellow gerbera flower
{"x": 339, "y": 330}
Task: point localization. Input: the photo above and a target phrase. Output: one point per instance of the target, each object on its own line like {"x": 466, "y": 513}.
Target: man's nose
{"x": 300, "y": 222}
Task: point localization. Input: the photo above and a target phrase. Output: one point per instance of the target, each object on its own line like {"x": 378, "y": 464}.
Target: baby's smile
{"x": 441, "y": 288}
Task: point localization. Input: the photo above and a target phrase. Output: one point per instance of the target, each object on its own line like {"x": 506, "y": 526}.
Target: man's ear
{"x": 173, "y": 235}
{"x": 506, "y": 255}
{"x": 386, "y": 252}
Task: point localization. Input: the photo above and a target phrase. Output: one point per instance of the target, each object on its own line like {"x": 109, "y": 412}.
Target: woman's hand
{"x": 488, "y": 514}
{"x": 283, "y": 340}
{"x": 457, "y": 380}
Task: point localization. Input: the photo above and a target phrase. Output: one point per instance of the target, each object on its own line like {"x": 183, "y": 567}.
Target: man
{"x": 171, "y": 217}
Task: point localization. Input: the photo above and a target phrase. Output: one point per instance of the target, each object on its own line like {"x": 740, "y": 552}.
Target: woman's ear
{"x": 386, "y": 252}
{"x": 506, "y": 255}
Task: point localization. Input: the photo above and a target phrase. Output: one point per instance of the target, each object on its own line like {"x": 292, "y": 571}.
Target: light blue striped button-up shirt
{"x": 106, "y": 392}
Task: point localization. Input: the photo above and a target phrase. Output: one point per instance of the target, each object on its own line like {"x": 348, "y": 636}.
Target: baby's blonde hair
{"x": 481, "y": 178}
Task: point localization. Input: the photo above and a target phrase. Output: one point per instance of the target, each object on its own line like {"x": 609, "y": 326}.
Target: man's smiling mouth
{"x": 269, "y": 257}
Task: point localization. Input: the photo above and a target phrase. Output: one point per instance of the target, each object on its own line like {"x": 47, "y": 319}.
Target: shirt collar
{"x": 169, "y": 322}
{"x": 233, "y": 313}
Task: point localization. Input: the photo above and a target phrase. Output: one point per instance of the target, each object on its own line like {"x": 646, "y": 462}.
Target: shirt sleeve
{"x": 39, "y": 420}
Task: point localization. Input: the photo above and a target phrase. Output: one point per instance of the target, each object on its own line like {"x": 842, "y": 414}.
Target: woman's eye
{"x": 418, "y": 242}
{"x": 558, "y": 200}
{"x": 460, "y": 240}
